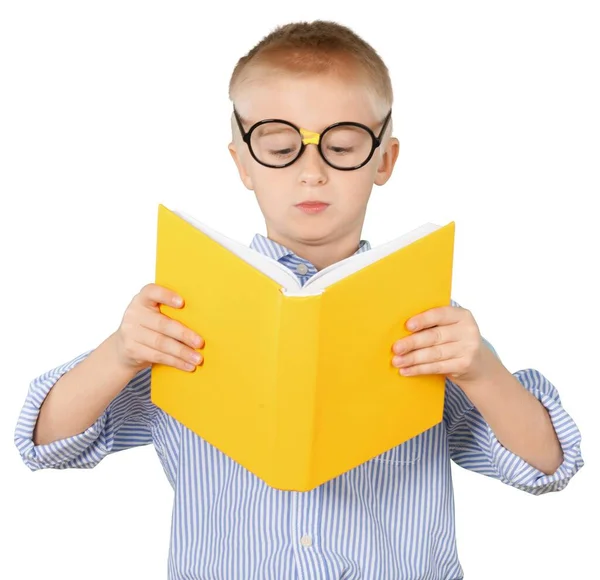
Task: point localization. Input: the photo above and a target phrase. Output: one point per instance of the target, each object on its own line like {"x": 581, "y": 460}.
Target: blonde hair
{"x": 314, "y": 48}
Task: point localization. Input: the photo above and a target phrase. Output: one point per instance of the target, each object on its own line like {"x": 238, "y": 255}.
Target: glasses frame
{"x": 310, "y": 137}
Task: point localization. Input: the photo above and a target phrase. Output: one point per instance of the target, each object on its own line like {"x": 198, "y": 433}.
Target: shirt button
{"x": 306, "y": 541}
{"x": 301, "y": 269}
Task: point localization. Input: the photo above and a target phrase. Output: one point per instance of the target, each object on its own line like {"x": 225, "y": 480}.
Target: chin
{"x": 312, "y": 234}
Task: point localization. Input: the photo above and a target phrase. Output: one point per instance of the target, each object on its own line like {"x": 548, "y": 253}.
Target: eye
{"x": 282, "y": 152}
{"x": 341, "y": 150}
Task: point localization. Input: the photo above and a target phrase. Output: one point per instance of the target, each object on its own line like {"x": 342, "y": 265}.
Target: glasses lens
{"x": 275, "y": 144}
{"x": 346, "y": 146}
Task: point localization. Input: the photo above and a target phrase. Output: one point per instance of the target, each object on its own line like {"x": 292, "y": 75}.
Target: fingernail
{"x": 177, "y": 301}
{"x": 197, "y": 340}
{"x": 397, "y": 361}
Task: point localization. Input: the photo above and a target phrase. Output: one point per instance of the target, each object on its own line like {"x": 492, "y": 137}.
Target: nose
{"x": 313, "y": 170}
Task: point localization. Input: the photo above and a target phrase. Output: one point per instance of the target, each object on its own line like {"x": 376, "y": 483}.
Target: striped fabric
{"x": 392, "y": 517}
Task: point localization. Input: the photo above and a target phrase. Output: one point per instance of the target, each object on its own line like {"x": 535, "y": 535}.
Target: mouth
{"x": 312, "y": 206}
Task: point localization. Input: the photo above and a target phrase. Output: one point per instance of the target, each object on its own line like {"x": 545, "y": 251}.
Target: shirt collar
{"x": 277, "y": 251}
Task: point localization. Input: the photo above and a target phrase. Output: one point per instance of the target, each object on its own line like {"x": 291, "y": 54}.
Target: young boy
{"x": 393, "y": 516}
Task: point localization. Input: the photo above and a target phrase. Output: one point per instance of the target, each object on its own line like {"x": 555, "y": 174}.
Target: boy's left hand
{"x": 444, "y": 340}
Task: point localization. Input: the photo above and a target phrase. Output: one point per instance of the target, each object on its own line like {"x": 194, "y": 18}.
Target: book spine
{"x": 295, "y": 392}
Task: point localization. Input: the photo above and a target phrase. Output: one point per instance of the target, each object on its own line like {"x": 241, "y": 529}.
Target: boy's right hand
{"x": 147, "y": 336}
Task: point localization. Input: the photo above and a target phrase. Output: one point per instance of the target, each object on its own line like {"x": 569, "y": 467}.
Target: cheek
{"x": 271, "y": 186}
{"x": 356, "y": 186}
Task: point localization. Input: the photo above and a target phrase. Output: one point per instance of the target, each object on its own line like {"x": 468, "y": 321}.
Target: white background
{"x": 107, "y": 109}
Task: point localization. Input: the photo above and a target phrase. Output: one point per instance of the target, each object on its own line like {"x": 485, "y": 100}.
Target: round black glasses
{"x": 345, "y": 146}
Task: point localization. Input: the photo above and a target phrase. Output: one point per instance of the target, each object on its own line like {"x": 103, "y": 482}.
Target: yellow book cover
{"x": 297, "y": 384}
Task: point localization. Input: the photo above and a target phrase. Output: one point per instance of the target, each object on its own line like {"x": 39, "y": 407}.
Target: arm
{"x": 512, "y": 427}
{"x": 100, "y": 402}
{"x": 77, "y": 413}
{"x": 517, "y": 418}
{"x": 80, "y": 396}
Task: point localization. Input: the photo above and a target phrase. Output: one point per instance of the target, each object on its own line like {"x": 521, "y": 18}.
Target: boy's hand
{"x": 445, "y": 340}
{"x": 147, "y": 336}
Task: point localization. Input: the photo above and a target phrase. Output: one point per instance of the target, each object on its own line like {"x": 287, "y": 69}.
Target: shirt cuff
{"x": 515, "y": 471}
{"x": 82, "y": 450}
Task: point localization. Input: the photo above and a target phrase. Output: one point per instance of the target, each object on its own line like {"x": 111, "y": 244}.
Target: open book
{"x": 325, "y": 277}
{"x": 297, "y": 383}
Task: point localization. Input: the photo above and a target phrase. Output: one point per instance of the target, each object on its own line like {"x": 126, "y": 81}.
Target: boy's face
{"x": 311, "y": 103}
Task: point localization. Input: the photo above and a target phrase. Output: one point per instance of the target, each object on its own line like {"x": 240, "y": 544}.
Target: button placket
{"x": 305, "y": 532}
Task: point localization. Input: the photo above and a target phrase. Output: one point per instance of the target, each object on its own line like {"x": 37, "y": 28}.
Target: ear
{"x": 387, "y": 162}
{"x": 240, "y": 164}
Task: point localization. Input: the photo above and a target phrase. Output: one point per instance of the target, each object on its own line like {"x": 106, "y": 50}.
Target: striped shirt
{"x": 391, "y": 517}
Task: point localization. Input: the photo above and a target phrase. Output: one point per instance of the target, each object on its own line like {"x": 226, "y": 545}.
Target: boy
{"x": 311, "y": 136}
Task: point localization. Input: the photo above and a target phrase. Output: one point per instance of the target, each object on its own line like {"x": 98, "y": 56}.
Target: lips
{"x": 313, "y": 204}
{"x": 312, "y": 207}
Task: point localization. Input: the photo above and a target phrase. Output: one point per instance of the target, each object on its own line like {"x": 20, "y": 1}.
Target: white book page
{"x": 343, "y": 268}
{"x": 268, "y": 266}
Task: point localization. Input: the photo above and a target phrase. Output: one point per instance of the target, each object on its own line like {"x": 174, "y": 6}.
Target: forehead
{"x": 309, "y": 101}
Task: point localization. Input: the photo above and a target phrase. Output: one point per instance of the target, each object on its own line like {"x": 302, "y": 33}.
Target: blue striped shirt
{"x": 391, "y": 517}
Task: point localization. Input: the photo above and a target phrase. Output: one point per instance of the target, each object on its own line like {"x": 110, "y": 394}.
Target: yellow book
{"x": 297, "y": 384}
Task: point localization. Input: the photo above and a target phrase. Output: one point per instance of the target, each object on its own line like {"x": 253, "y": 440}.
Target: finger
{"x": 425, "y": 338}
{"x": 442, "y": 316}
{"x": 432, "y": 354}
{"x": 152, "y": 295}
{"x": 449, "y": 367}
{"x": 163, "y": 324}
{"x": 166, "y": 345}
{"x": 158, "y": 357}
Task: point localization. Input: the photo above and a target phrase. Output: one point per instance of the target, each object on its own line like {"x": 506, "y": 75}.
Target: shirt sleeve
{"x": 125, "y": 423}
{"x": 474, "y": 446}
